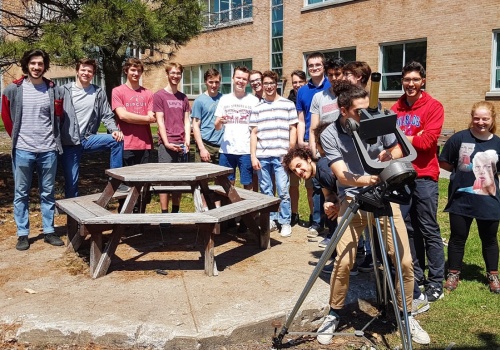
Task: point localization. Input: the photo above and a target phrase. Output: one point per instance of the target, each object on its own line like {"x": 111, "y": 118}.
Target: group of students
{"x": 274, "y": 142}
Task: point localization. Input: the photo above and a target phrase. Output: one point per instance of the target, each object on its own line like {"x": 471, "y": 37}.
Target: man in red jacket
{"x": 421, "y": 118}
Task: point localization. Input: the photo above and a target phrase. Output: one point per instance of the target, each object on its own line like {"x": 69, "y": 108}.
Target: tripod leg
{"x": 406, "y": 340}
{"x": 405, "y": 331}
{"x": 337, "y": 235}
{"x": 381, "y": 298}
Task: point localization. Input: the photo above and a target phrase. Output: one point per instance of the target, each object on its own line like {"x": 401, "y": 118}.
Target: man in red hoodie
{"x": 421, "y": 118}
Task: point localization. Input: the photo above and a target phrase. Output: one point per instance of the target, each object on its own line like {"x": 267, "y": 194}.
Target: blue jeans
{"x": 23, "y": 165}
{"x": 424, "y": 233}
{"x": 269, "y": 166}
{"x": 242, "y": 161}
{"x": 72, "y": 155}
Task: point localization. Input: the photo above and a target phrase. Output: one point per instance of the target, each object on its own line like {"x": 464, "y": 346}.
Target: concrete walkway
{"x": 47, "y": 296}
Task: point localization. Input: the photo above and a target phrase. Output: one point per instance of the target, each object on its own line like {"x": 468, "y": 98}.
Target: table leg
{"x": 207, "y": 233}
{"x": 71, "y": 228}
{"x": 108, "y": 192}
{"x": 105, "y": 259}
{"x": 232, "y": 194}
{"x": 265, "y": 232}
{"x": 207, "y": 194}
{"x": 133, "y": 195}
{"x": 95, "y": 249}
{"x": 75, "y": 243}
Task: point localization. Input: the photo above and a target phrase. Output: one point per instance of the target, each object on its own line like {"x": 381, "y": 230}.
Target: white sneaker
{"x": 418, "y": 335}
{"x": 329, "y": 325}
{"x": 272, "y": 226}
{"x": 418, "y": 306}
{"x": 286, "y": 230}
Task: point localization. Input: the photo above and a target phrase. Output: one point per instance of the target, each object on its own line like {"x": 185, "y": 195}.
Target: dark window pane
{"x": 276, "y": 2}
{"x": 497, "y": 80}
{"x": 278, "y": 71}
{"x": 225, "y": 88}
{"x": 278, "y": 45}
{"x": 277, "y": 29}
{"x": 186, "y": 75}
{"x": 310, "y": 2}
{"x": 224, "y": 5}
{"x": 393, "y": 58}
{"x": 498, "y": 49}
{"x": 196, "y": 90}
{"x": 277, "y": 13}
{"x": 225, "y": 70}
{"x": 392, "y": 82}
{"x": 416, "y": 52}
{"x": 186, "y": 89}
{"x": 348, "y": 55}
{"x": 277, "y": 60}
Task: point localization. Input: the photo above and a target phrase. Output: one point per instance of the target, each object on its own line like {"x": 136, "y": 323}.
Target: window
{"x": 348, "y": 55}
{"x": 495, "y": 76}
{"x": 219, "y": 12}
{"x": 277, "y": 36}
{"x": 193, "y": 82}
{"x": 394, "y": 57}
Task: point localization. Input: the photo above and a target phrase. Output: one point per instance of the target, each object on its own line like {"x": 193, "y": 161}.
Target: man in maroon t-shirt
{"x": 174, "y": 128}
{"x": 133, "y": 107}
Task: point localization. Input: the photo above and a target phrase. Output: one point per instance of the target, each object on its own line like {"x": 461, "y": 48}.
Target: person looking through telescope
{"x": 346, "y": 165}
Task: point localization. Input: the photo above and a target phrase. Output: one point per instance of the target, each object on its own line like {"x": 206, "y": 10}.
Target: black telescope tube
{"x": 374, "y": 89}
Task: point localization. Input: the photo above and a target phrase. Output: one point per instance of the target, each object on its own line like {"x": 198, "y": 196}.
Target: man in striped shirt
{"x": 273, "y": 124}
{"x": 31, "y": 108}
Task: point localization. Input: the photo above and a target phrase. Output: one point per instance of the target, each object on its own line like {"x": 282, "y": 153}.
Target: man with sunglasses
{"x": 421, "y": 118}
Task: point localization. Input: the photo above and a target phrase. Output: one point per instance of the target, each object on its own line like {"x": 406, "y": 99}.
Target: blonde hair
{"x": 170, "y": 65}
{"x": 491, "y": 108}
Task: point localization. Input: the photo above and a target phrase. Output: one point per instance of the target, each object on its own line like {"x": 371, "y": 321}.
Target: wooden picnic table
{"x": 90, "y": 213}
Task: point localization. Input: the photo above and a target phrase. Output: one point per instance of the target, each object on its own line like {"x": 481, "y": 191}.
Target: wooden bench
{"x": 85, "y": 217}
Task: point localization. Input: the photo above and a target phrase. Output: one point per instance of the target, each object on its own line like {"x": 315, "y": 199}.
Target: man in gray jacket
{"x": 85, "y": 106}
{"x": 31, "y": 108}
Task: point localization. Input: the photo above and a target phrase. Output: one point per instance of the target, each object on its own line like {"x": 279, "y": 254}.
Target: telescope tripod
{"x": 376, "y": 210}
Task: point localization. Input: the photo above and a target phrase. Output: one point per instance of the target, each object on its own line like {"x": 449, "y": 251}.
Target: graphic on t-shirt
{"x": 237, "y": 115}
{"x": 484, "y": 168}
{"x": 466, "y": 150}
{"x": 136, "y": 104}
{"x": 409, "y": 123}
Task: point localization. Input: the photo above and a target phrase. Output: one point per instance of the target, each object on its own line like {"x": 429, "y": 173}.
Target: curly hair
{"x": 301, "y": 152}
{"x": 347, "y": 92}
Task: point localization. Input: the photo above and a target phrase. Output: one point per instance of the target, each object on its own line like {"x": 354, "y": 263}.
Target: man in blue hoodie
{"x": 85, "y": 106}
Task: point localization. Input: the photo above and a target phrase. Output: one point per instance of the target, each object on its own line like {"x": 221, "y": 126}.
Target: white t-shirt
{"x": 236, "y": 138}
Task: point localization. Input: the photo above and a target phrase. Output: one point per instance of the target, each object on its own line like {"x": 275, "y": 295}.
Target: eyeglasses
{"x": 409, "y": 80}
{"x": 269, "y": 84}
{"x": 175, "y": 73}
{"x": 255, "y": 81}
{"x": 316, "y": 65}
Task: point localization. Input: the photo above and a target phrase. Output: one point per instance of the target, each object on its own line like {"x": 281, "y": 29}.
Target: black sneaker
{"x": 295, "y": 219}
{"x": 23, "y": 243}
{"x": 434, "y": 293}
{"x": 52, "y": 239}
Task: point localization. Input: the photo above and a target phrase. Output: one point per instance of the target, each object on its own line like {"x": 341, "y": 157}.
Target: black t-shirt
{"x": 324, "y": 175}
{"x": 473, "y": 189}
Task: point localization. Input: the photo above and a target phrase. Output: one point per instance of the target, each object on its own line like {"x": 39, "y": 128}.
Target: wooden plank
{"x": 79, "y": 208}
{"x": 206, "y": 231}
{"x": 243, "y": 207}
{"x": 105, "y": 260}
{"x": 153, "y": 219}
{"x": 265, "y": 231}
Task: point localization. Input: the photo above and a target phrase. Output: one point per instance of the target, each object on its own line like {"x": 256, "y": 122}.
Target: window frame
{"x": 395, "y": 93}
{"x": 212, "y": 20}
{"x": 328, "y": 51}
{"x": 201, "y": 68}
{"x": 495, "y": 57}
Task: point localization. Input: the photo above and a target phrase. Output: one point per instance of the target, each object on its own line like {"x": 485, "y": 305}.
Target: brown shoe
{"x": 452, "y": 281}
{"x": 493, "y": 282}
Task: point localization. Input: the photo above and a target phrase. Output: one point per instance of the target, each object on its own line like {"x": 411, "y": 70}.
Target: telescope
{"x": 395, "y": 175}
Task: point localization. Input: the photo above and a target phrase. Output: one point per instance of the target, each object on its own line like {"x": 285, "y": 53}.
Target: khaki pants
{"x": 346, "y": 255}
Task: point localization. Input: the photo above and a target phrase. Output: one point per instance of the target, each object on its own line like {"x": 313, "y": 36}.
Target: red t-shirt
{"x": 173, "y": 107}
{"x": 140, "y": 101}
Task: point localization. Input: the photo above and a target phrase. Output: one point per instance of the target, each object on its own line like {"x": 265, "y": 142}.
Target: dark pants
{"x": 460, "y": 227}
{"x": 424, "y": 233}
{"x": 318, "y": 200}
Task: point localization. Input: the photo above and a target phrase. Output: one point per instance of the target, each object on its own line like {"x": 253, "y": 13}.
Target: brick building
{"x": 458, "y": 41}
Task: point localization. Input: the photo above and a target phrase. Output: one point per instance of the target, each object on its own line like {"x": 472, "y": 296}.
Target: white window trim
{"x": 494, "y": 91}
{"x": 325, "y": 3}
{"x": 393, "y": 93}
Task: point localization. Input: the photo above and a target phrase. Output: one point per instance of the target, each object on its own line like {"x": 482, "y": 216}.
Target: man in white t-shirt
{"x": 233, "y": 114}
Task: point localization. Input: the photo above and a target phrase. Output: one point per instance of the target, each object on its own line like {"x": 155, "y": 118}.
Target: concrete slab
{"x": 48, "y": 297}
